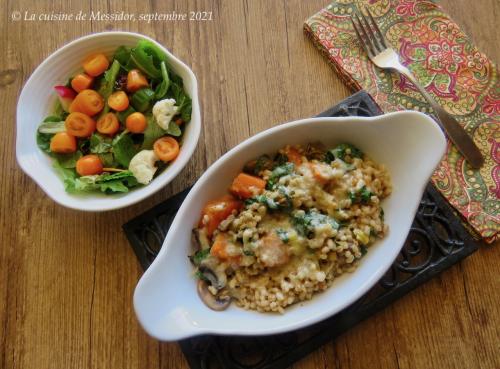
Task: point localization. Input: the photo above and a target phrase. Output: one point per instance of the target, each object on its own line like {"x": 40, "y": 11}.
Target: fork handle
{"x": 455, "y": 132}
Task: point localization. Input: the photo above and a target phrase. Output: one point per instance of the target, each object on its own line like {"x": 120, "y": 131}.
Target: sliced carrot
{"x": 318, "y": 173}
{"x": 293, "y": 155}
{"x": 216, "y": 211}
{"x": 245, "y": 186}
{"x": 220, "y": 248}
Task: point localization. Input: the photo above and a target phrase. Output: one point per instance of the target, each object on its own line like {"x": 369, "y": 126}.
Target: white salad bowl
{"x": 410, "y": 144}
{"x": 38, "y": 98}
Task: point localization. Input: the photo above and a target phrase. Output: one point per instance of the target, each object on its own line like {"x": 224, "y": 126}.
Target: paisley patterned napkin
{"x": 462, "y": 79}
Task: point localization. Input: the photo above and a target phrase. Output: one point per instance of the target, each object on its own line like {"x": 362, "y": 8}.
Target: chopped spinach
{"x": 340, "y": 152}
{"x": 264, "y": 200}
{"x": 306, "y": 222}
{"x": 283, "y": 235}
{"x": 201, "y": 276}
{"x": 277, "y": 173}
{"x": 254, "y": 167}
{"x": 199, "y": 256}
{"x": 248, "y": 253}
{"x": 363, "y": 249}
{"x": 280, "y": 159}
{"x": 363, "y": 196}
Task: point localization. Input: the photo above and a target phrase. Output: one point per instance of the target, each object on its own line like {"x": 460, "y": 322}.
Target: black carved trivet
{"x": 437, "y": 240}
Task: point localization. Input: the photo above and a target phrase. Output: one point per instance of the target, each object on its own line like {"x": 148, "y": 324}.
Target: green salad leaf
{"x": 52, "y": 127}
{"x": 100, "y": 144}
{"x": 162, "y": 88}
{"x": 68, "y": 160}
{"x": 152, "y": 133}
{"x": 174, "y": 129}
{"x": 123, "y": 149}
{"x": 43, "y": 141}
{"x": 122, "y": 55}
{"x": 43, "y": 138}
{"x": 108, "y": 183}
{"x": 147, "y": 57}
{"x": 182, "y": 100}
{"x": 109, "y": 79}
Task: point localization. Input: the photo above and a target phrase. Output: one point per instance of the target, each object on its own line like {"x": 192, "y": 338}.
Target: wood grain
{"x": 67, "y": 278}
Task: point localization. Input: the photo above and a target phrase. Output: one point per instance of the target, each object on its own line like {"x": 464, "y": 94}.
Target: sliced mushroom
{"x": 315, "y": 150}
{"x": 200, "y": 239}
{"x": 217, "y": 280}
{"x": 214, "y": 302}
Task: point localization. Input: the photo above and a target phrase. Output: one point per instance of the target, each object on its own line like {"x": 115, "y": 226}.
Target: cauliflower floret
{"x": 142, "y": 166}
{"x": 163, "y": 111}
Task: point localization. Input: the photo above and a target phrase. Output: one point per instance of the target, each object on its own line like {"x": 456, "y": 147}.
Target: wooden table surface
{"x": 67, "y": 277}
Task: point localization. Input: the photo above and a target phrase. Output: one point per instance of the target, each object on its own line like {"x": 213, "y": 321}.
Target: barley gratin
{"x": 290, "y": 225}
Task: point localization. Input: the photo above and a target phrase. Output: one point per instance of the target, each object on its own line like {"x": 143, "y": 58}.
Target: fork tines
{"x": 369, "y": 33}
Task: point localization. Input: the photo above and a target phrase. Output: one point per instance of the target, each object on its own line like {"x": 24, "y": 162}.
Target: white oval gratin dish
{"x": 38, "y": 98}
{"x": 410, "y": 144}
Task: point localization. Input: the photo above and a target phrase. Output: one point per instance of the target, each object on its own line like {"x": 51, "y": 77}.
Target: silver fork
{"x": 385, "y": 57}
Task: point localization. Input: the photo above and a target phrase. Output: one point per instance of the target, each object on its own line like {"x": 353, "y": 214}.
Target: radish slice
{"x": 66, "y": 96}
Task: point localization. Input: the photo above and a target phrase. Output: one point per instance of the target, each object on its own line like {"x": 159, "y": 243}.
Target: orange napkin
{"x": 461, "y": 78}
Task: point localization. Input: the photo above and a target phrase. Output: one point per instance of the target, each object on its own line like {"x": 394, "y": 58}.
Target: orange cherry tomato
{"x": 63, "y": 143}
{"x": 108, "y": 124}
{"x": 95, "y": 65}
{"x": 118, "y": 101}
{"x": 136, "y": 122}
{"x": 166, "y": 148}
{"x": 88, "y": 102}
{"x": 81, "y": 82}
{"x": 136, "y": 80}
{"x": 89, "y": 165}
{"x": 79, "y": 125}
